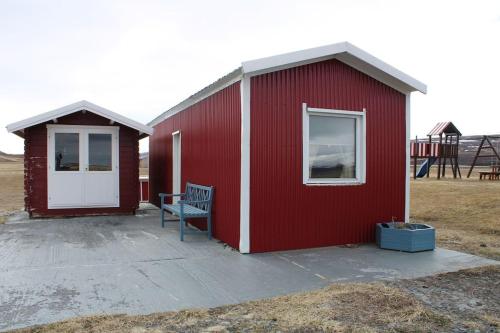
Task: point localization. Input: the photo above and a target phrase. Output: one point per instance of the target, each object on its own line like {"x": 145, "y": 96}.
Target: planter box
{"x": 408, "y": 237}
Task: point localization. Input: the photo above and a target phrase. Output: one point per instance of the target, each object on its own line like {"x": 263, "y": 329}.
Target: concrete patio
{"x": 55, "y": 269}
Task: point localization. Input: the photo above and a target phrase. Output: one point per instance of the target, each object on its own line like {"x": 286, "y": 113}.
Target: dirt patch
{"x": 471, "y": 298}
{"x": 464, "y": 212}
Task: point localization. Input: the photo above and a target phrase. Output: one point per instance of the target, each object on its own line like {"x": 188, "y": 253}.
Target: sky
{"x": 139, "y": 58}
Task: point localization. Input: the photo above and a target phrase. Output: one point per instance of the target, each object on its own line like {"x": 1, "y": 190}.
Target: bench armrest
{"x": 163, "y": 195}
{"x": 171, "y": 194}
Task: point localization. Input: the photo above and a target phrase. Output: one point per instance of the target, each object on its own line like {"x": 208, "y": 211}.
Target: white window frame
{"x": 360, "y": 117}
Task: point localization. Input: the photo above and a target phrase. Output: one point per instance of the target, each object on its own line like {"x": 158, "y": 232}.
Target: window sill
{"x": 356, "y": 182}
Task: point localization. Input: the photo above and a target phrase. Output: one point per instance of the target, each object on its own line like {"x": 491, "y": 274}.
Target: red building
{"x": 304, "y": 149}
{"x": 79, "y": 160}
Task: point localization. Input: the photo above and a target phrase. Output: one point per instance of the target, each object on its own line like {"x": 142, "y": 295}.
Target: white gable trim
{"x": 345, "y": 52}
{"x": 75, "y": 107}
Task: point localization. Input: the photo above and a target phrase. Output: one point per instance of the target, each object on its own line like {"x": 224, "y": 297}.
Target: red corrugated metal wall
{"x": 144, "y": 191}
{"x": 210, "y": 148}
{"x": 36, "y": 169}
{"x": 284, "y": 213}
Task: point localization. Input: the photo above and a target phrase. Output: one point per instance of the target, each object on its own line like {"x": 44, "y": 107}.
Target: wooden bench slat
{"x": 188, "y": 210}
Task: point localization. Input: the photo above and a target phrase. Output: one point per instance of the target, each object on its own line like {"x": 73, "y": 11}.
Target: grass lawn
{"x": 11, "y": 187}
{"x": 466, "y": 213}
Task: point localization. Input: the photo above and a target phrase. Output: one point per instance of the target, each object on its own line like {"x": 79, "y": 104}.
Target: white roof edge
{"x": 75, "y": 107}
{"x": 211, "y": 89}
{"x": 371, "y": 65}
{"x": 344, "y": 51}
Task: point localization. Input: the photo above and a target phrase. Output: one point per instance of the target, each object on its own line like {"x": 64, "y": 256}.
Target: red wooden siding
{"x": 210, "y": 148}
{"x": 284, "y": 213}
{"x": 36, "y": 169}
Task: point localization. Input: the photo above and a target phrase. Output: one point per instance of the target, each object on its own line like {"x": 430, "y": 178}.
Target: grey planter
{"x": 409, "y": 237}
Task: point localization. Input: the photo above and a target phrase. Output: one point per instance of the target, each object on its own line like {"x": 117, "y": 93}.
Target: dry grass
{"x": 339, "y": 308}
{"x": 466, "y": 213}
{"x": 143, "y": 171}
{"x": 11, "y": 188}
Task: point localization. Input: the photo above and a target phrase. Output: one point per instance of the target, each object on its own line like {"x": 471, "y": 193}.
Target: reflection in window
{"x": 332, "y": 147}
{"x": 67, "y": 151}
{"x": 100, "y": 152}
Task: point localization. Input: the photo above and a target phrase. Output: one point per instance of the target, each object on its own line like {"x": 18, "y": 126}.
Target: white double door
{"x": 83, "y": 169}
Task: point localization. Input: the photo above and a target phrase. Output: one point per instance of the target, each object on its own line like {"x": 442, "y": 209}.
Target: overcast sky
{"x": 139, "y": 58}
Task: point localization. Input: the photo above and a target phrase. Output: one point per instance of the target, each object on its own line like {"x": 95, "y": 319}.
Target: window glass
{"x": 332, "y": 147}
{"x": 67, "y": 155}
{"x": 100, "y": 152}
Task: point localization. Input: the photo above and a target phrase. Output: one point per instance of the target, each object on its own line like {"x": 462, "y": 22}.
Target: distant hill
{"x": 4, "y": 157}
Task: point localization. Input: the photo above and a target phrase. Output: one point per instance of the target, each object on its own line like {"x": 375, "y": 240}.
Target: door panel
{"x": 83, "y": 168}
{"x": 100, "y": 190}
{"x": 101, "y": 173}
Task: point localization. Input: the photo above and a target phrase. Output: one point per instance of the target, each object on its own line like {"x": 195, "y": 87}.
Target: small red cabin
{"x": 80, "y": 160}
{"x": 305, "y": 149}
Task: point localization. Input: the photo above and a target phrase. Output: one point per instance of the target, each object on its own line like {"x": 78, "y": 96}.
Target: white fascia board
{"x": 292, "y": 59}
{"x": 376, "y": 68}
{"x": 75, "y": 107}
{"x": 344, "y": 52}
{"x": 217, "y": 86}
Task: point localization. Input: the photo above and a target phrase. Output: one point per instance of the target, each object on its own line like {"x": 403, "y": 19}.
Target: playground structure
{"x": 439, "y": 152}
{"x": 495, "y": 169}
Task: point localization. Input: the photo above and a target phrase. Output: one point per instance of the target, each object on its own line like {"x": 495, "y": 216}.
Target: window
{"x": 333, "y": 146}
{"x": 67, "y": 154}
{"x": 100, "y": 152}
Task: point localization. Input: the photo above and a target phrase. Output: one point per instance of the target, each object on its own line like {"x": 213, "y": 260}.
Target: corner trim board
{"x": 408, "y": 168}
{"x": 245, "y": 166}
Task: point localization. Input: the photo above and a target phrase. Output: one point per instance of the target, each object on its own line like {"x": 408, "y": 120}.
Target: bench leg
{"x": 162, "y": 217}
{"x": 209, "y": 227}
{"x": 181, "y": 228}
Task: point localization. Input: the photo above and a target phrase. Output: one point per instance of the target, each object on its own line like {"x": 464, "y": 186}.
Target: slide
{"x": 422, "y": 171}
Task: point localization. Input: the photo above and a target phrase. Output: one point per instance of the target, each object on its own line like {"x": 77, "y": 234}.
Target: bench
{"x": 491, "y": 175}
{"x": 196, "y": 202}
